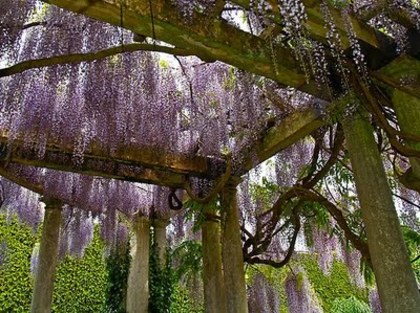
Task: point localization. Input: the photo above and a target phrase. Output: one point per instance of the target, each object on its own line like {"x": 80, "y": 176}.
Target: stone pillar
{"x": 394, "y": 277}
{"x": 138, "y": 278}
{"x": 407, "y": 108}
{"x": 47, "y": 260}
{"x": 233, "y": 260}
{"x": 159, "y": 226}
{"x": 214, "y": 287}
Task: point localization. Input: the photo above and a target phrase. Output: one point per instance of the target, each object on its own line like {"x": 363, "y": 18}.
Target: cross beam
{"x": 147, "y": 166}
{"x": 212, "y": 38}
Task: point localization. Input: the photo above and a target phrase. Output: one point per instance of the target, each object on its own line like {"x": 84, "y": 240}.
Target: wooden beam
{"x": 92, "y": 165}
{"x": 402, "y": 74}
{"x": 293, "y": 128}
{"x": 145, "y": 166}
{"x": 15, "y": 178}
{"x": 129, "y": 156}
{"x": 210, "y": 40}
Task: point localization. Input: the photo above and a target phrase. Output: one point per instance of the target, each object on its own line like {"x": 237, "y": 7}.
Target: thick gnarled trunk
{"x": 394, "y": 277}
{"x": 138, "y": 279}
{"x": 233, "y": 261}
{"x": 47, "y": 260}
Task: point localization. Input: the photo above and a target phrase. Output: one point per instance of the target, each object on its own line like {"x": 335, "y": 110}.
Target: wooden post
{"x": 394, "y": 277}
{"x": 138, "y": 278}
{"x": 233, "y": 260}
{"x": 47, "y": 260}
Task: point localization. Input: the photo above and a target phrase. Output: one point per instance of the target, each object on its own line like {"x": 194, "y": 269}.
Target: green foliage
{"x": 80, "y": 283}
{"x": 328, "y": 288}
{"x": 350, "y": 305}
{"x": 412, "y": 241}
{"x": 182, "y": 302}
{"x": 265, "y": 192}
{"x": 15, "y": 276}
{"x": 275, "y": 276}
{"x": 195, "y": 210}
{"x": 118, "y": 267}
{"x": 333, "y": 286}
{"x": 161, "y": 281}
{"x": 188, "y": 259}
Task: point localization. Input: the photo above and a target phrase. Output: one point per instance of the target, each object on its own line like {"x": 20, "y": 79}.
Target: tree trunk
{"x": 159, "y": 226}
{"x": 138, "y": 278}
{"x": 214, "y": 288}
{"x": 233, "y": 261}
{"x": 47, "y": 260}
{"x": 394, "y": 277}
{"x": 408, "y": 113}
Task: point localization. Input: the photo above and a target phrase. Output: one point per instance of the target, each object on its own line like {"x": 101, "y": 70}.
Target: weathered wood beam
{"x": 210, "y": 40}
{"x": 92, "y": 165}
{"x": 15, "y": 178}
{"x": 401, "y": 74}
{"x": 293, "y": 128}
{"x": 136, "y": 156}
{"x": 142, "y": 165}
{"x": 316, "y": 23}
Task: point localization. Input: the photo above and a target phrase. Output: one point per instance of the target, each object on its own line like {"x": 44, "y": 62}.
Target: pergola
{"x": 213, "y": 39}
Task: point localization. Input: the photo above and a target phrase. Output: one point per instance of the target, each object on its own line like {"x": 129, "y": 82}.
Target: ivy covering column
{"x": 214, "y": 287}
{"x": 138, "y": 278}
{"x": 394, "y": 277}
{"x": 159, "y": 226}
{"x": 233, "y": 261}
{"x": 47, "y": 259}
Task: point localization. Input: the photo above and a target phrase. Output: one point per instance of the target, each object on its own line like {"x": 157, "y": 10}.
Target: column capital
{"x": 160, "y": 222}
{"x": 52, "y": 203}
{"x": 234, "y": 181}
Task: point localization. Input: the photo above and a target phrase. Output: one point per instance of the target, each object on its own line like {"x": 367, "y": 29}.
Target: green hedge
{"x": 334, "y": 286}
{"x": 15, "y": 276}
{"x": 328, "y": 288}
{"x": 80, "y": 284}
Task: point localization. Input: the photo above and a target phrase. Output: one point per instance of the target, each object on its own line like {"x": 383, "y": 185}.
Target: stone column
{"x": 138, "y": 278}
{"x": 233, "y": 260}
{"x": 394, "y": 276}
{"x": 214, "y": 287}
{"x": 159, "y": 226}
{"x": 47, "y": 260}
{"x": 407, "y": 108}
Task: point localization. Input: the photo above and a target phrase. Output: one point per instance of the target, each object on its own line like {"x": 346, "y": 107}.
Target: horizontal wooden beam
{"x": 403, "y": 74}
{"x": 127, "y": 165}
{"x": 62, "y": 161}
{"x": 212, "y": 38}
{"x": 209, "y": 39}
{"x": 137, "y": 164}
{"x": 292, "y": 129}
{"x": 136, "y": 156}
{"x": 21, "y": 181}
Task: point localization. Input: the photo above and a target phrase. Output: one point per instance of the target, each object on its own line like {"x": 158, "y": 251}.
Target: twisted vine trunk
{"x": 138, "y": 278}
{"x": 233, "y": 260}
{"x": 47, "y": 260}
{"x": 394, "y": 277}
{"x": 214, "y": 287}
